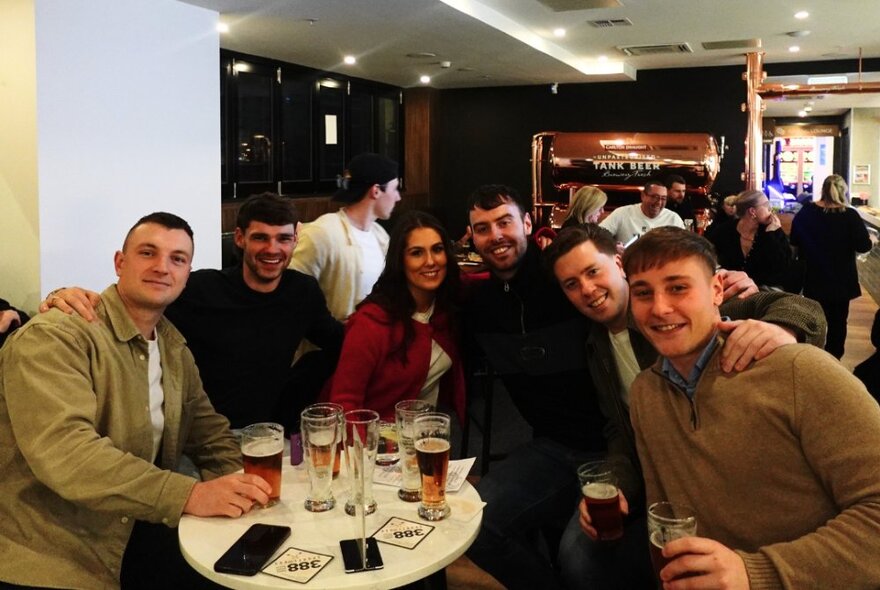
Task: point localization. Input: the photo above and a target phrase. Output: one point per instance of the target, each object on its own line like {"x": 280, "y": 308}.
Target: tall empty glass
{"x": 405, "y": 412}
{"x": 431, "y": 433}
{"x": 321, "y": 409}
{"x": 320, "y": 435}
{"x": 361, "y": 443}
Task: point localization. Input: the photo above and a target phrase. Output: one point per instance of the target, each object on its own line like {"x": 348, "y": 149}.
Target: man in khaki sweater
{"x": 779, "y": 461}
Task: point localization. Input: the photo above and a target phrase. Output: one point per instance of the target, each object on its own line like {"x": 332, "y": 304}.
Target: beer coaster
{"x": 297, "y": 565}
{"x": 403, "y": 533}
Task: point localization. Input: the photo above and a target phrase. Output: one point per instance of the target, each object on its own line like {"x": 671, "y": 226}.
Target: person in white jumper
{"x": 631, "y": 221}
{"x": 346, "y": 250}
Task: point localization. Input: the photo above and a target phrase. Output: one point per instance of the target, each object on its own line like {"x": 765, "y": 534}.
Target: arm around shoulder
{"x": 799, "y": 314}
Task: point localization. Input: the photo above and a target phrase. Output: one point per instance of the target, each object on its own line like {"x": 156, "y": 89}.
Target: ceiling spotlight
{"x": 560, "y": 32}
{"x": 808, "y": 109}
{"x": 222, "y": 27}
{"x": 802, "y": 113}
{"x": 794, "y": 49}
{"x": 350, "y": 60}
{"x": 425, "y": 79}
{"x": 801, "y": 15}
{"x": 554, "y": 88}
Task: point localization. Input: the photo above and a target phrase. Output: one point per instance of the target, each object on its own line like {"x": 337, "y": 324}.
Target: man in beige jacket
{"x": 95, "y": 416}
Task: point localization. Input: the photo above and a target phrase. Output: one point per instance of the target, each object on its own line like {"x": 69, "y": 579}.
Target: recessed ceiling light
{"x": 802, "y": 113}
{"x": 802, "y": 14}
{"x": 602, "y": 58}
{"x": 794, "y": 49}
{"x": 425, "y": 79}
{"x": 560, "y": 32}
{"x": 418, "y": 54}
{"x": 350, "y": 60}
{"x": 222, "y": 27}
{"x": 808, "y": 109}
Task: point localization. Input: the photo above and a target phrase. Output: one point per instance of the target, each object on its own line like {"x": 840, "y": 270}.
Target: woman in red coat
{"x": 401, "y": 343}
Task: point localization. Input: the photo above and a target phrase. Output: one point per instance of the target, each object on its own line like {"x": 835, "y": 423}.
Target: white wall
{"x": 19, "y": 221}
{"x": 865, "y": 143}
{"x": 127, "y": 123}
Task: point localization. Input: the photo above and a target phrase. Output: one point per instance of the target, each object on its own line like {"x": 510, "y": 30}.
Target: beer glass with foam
{"x": 667, "y": 522}
{"x": 262, "y": 445}
{"x": 602, "y": 496}
{"x": 405, "y": 412}
{"x": 431, "y": 433}
{"x": 320, "y": 438}
{"x": 321, "y": 409}
{"x": 361, "y": 441}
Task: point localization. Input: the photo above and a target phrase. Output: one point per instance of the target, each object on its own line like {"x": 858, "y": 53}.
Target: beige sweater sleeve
{"x": 839, "y": 428}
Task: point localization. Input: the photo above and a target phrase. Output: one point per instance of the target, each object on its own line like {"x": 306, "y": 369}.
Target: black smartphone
{"x": 351, "y": 556}
{"x": 252, "y": 550}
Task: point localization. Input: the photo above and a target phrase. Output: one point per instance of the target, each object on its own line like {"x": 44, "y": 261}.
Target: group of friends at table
{"x": 694, "y": 385}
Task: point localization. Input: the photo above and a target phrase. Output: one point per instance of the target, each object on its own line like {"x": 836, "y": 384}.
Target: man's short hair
{"x": 653, "y": 182}
{"x": 166, "y": 220}
{"x": 673, "y": 179}
{"x": 268, "y": 208}
{"x": 571, "y": 237}
{"x": 490, "y": 196}
{"x": 662, "y": 245}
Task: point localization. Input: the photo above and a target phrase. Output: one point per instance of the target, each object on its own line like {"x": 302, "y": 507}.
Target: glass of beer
{"x": 320, "y": 439}
{"x": 388, "y": 450}
{"x": 321, "y": 409}
{"x": 361, "y": 438}
{"x": 667, "y": 522}
{"x": 602, "y": 496}
{"x": 405, "y": 412}
{"x": 262, "y": 445}
{"x": 431, "y": 437}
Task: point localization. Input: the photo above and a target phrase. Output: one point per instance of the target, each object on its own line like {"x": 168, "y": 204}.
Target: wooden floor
{"x": 861, "y": 312}
{"x": 858, "y": 333}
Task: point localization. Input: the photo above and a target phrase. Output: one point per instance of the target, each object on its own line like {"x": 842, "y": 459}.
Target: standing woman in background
{"x": 400, "y": 343}
{"x": 827, "y": 234}
{"x": 586, "y": 206}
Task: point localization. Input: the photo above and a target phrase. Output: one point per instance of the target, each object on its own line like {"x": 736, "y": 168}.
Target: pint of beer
{"x": 405, "y": 412}
{"x": 262, "y": 445}
{"x": 431, "y": 433}
{"x": 602, "y": 496}
{"x": 667, "y": 522}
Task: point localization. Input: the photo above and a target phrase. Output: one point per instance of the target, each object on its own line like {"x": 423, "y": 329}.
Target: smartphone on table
{"x": 252, "y": 550}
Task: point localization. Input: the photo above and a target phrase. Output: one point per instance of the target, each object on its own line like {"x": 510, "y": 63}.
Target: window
{"x": 291, "y": 129}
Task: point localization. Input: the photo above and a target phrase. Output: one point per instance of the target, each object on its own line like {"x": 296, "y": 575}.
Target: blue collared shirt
{"x": 689, "y": 385}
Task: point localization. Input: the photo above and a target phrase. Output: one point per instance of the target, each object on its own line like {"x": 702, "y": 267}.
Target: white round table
{"x": 204, "y": 540}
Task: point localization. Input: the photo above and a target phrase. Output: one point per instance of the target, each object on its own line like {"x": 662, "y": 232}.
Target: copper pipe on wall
{"x": 753, "y": 106}
{"x": 756, "y": 91}
{"x": 780, "y": 90}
